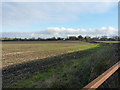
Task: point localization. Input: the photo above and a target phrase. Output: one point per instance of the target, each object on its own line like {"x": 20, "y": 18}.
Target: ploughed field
{"x": 56, "y": 64}
{"x": 14, "y": 52}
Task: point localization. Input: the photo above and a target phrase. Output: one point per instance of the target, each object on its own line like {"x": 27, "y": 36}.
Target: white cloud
{"x": 56, "y": 31}
{"x": 26, "y": 13}
{"x": 64, "y": 32}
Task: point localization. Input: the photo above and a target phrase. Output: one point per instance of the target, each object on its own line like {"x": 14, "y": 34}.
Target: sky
{"x": 59, "y": 19}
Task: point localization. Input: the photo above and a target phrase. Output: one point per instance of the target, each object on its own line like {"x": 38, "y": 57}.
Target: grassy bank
{"x": 73, "y": 71}
{"x": 108, "y": 41}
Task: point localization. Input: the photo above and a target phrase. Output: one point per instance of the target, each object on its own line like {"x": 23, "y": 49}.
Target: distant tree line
{"x": 80, "y": 38}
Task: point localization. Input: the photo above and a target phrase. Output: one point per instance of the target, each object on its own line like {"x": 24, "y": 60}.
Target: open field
{"x": 109, "y": 41}
{"x": 23, "y": 51}
{"x": 69, "y": 64}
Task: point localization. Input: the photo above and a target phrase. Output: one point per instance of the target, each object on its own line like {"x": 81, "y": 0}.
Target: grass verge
{"x": 109, "y": 41}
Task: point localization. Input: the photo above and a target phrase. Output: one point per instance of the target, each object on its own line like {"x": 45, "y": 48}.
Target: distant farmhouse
{"x": 73, "y": 38}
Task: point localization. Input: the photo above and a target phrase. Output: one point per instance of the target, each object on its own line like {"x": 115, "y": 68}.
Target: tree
{"x": 72, "y": 38}
{"x": 103, "y": 38}
{"x": 87, "y": 38}
{"x": 115, "y": 38}
{"x": 80, "y": 37}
